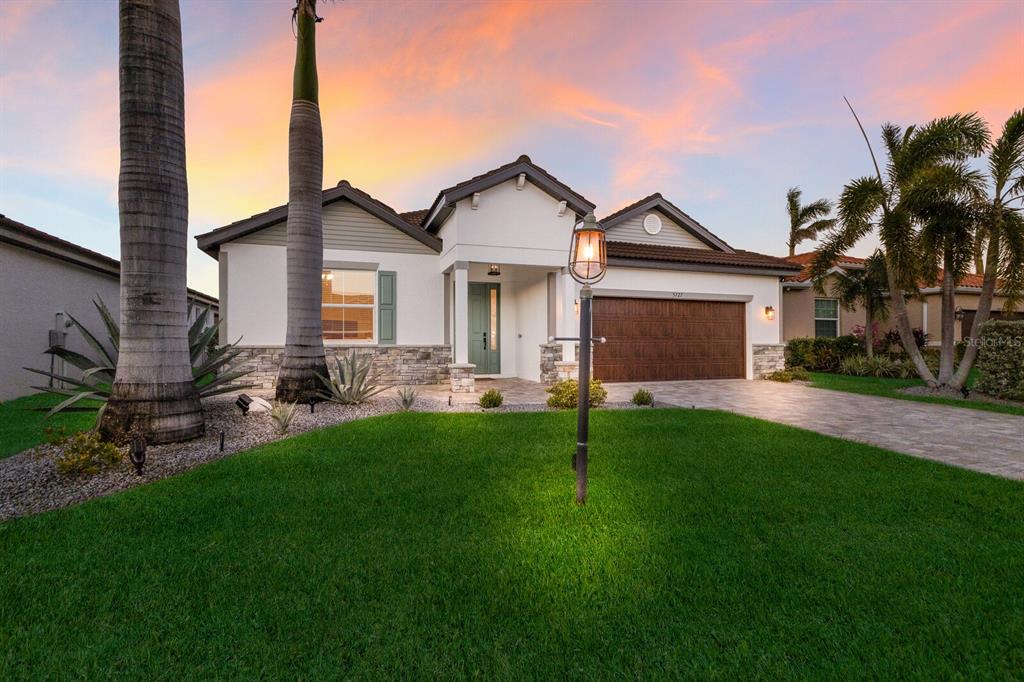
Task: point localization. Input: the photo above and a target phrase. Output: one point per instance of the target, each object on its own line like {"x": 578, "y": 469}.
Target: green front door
{"x": 484, "y": 327}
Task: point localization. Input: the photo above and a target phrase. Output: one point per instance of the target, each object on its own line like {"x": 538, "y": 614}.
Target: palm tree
{"x": 1002, "y": 228}
{"x": 880, "y": 203}
{"x": 153, "y": 389}
{"x": 867, "y": 288}
{"x": 304, "y": 360}
{"x": 805, "y": 222}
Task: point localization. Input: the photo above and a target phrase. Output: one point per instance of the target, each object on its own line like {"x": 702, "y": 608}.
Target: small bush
{"x": 892, "y": 338}
{"x": 282, "y": 414}
{"x": 492, "y": 398}
{"x": 787, "y": 375}
{"x": 880, "y": 366}
{"x": 1001, "y": 359}
{"x": 407, "y": 398}
{"x": 821, "y": 354}
{"x": 86, "y": 454}
{"x": 643, "y": 397}
{"x": 565, "y": 394}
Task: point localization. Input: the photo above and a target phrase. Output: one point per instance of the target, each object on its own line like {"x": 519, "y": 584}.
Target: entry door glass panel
{"x": 485, "y": 327}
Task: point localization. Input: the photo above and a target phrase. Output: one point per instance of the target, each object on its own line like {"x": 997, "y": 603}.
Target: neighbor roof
{"x": 805, "y": 260}
{"x": 21, "y": 235}
{"x": 628, "y": 253}
{"x": 657, "y": 201}
{"x": 444, "y": 204}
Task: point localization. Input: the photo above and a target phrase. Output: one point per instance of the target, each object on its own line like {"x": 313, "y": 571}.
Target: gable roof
{"x": 628, "y": 253}
{"x": 444, "y": 204}
{"x": 210, "y": 242}
{"x": 805, "y": 259}
{"x": 659, "y": 202}
{"x": 29, "y": 238}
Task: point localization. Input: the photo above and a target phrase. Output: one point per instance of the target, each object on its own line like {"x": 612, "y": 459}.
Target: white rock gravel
{"x": 30, "y": 483}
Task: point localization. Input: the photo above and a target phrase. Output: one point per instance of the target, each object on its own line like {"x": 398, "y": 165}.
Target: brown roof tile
{"x": 678, "y": 254}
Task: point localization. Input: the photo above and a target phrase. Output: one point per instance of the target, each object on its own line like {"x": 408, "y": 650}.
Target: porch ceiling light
{"x": 588, "y": 259}
{"x": 494, "y": 270}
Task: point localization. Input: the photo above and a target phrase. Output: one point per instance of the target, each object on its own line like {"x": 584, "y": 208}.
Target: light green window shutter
{"x": 386, "y": 320}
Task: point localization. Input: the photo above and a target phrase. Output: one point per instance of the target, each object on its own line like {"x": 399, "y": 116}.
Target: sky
{"x": 720, "y": 106}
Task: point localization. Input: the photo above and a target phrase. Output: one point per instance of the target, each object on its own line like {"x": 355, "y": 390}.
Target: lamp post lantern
{"x": 587, "y": 264}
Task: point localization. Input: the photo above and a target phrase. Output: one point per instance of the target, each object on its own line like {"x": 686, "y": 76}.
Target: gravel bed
{"x": 30, "y": 482}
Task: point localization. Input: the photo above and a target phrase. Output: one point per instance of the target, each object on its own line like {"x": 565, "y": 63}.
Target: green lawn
{"x": 22, "y": 421}
{"x": 889, "y": 388}
{"x": 448, "y": 545}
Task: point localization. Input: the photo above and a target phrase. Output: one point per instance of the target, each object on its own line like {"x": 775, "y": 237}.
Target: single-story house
{"x": 43, "y": 280}
{"x": 476, "y": 284}
{"x": 805, "y": 312}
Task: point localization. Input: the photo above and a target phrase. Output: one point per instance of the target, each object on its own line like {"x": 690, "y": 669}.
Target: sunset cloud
{"x": 720, "y": 107}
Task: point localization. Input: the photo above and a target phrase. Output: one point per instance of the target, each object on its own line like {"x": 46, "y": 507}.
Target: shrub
{"x": 1001, "y": 359}
{"x": 282, "y": 414}
{"x": 406, "y": 398}
{"x": 492, "y": 398}
{"x": 352, "y": 383}
{"x": 643, "y": 397}
{"x": 879, "y": 366}
{"x": 212, "y": 372}
{"x": 86, "y": 454}
{"x": 892, "y": 338}
{"x": 787, "y": 375}
{"x": 820, "y": 353}
{"x": 565, "y": 394}
{"x": 880, "y": 344}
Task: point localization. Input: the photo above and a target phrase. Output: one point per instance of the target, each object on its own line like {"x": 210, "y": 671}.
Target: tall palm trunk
{"x": 948, "y": 321}
{"x": 902, "y": 322}
{"x": 304, "y": 343}
{"x": 869, "y": 331}
{"x": 153, "y": 389}
{"x": 988, "y": 288}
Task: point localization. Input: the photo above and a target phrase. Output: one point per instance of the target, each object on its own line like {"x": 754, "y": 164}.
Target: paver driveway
{"x": 984, "y": 441}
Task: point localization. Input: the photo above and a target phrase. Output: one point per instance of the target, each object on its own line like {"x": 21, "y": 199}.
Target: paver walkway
{"x": 984, "y": 441}
{"x": 974, "y": 439}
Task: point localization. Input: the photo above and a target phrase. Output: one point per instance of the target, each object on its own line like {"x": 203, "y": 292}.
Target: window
{"x": 348, "y": 304}
{"x": 826, "y": 317}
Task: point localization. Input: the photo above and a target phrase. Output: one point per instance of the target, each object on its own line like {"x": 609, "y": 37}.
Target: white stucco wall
{"x": 33, "y": 289}
{"x": 763, "y": 291}
{"x": 508, "y": 226}
{"x": 258, "y": 293}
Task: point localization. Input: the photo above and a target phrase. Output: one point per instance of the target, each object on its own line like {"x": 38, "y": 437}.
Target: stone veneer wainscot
{"x": 400, "y": 364}
{"x": 768, "y": 358}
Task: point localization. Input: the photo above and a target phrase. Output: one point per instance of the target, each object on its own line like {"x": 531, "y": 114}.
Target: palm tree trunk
{"x": 869, "y": 332}
{"x": 304, "y": 341}
{"x": 153, "y": 390}
{"x": 948, "y": 321}
{"x": 988, "y": 288}
{"x": 902, "y": 322}
{"x": 792, "y": 248}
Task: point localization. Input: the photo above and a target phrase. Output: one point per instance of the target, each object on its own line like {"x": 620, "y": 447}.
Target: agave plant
{"x": 353, "y": 383}
{"x": 211, "y": 370}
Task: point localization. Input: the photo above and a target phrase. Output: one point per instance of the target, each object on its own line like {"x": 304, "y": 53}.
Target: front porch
{"x": 499, "y": 317}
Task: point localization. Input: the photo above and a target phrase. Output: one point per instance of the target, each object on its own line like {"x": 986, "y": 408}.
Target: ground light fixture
{"x": 137, "y": 452}
{"x": 243, "y": 403}
{"x": 588, "y": 261}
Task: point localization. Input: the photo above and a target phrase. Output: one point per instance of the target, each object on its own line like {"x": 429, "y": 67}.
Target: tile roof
{"x": 415, "y": 217}
{"x": 678, "y": 254}
{"x": 805, "y": 260}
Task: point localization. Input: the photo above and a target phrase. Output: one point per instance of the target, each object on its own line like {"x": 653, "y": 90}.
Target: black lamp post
{"x": 587, "y": 263}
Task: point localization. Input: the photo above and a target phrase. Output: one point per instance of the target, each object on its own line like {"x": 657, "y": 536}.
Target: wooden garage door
{"x": 662, "y": 340}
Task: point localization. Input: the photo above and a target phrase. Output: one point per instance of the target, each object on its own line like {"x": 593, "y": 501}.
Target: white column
{"x": 461, "y": 339}
{"x": 566, "y": 322}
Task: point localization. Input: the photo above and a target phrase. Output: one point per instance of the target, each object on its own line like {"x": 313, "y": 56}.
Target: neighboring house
{"x": 43, "y": 279}
{"x": 476, "y": 284}
{"x": 805, "y": 312}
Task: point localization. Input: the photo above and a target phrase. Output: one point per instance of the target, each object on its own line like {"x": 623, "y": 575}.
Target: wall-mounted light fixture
{"x": 959, "y": 313}
{"x": 769, "y": 312}
{"x": 494, "y": 270}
